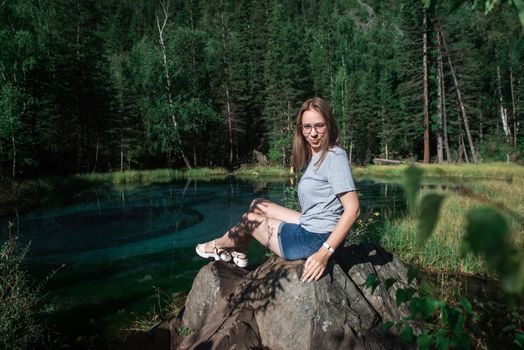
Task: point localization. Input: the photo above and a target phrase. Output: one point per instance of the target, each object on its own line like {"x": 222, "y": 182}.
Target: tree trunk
{"x": 350, "y": 150}
{"x": 481, "y": 125}
{"x": 459, "y": 97}
{"x": 440, "y": 152}
{"x": 80, "y": 129}
{"x": 463, "y": 145}
{"x": 193, "y": 70}
{"x": 442, "y": 99}
{"x": 459, "y": 152}
{"x": 440, "y": 149}
{"x": 96, "y": 155}
{"x": 1, "y": 165}
{"x": 14, "y": 156}
{"x": 426, "y": 87}
{"x": 121, "y": 157}
{"x": 161, "y": 28}
{"x": 226, "y": 68}
{"x": 503, "y": 111}
{"x": 513, "y": 107}
{"x": 194, "y": 155}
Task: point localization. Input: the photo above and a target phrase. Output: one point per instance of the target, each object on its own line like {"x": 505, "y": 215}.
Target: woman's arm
{"x": 316, "y": 264}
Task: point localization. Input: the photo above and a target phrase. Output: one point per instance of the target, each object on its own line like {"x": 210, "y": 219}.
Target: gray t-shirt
{"x": 318, "y": 188}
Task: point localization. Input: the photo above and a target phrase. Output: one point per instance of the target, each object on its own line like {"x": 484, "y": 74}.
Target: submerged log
{"x": 270, "y": 307}
{"x": 382, "y": 161}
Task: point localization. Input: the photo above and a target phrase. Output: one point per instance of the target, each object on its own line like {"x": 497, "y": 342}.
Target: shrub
{"x": 496, "y": 148}
{"x": 21, "y": 307}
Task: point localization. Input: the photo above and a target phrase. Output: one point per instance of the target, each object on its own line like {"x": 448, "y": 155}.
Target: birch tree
{"x": 161, "y": 23}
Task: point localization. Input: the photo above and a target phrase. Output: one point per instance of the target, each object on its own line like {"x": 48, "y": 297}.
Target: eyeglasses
{"x": 319, "y": 127}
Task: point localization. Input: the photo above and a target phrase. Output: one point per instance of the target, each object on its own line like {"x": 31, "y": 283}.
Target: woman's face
{"x": 314, "y": 129}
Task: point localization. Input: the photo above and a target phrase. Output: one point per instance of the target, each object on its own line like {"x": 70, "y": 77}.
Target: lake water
{"x": 122, "y": 252}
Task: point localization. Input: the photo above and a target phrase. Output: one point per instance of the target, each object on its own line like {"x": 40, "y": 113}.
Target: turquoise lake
{"x": 122, "y": 253}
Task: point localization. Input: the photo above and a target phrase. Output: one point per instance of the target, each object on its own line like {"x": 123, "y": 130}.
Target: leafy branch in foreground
{"x": 487, "y": 235}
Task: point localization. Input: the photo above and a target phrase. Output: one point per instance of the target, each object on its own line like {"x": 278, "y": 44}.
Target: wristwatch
{"x": 328, "y": 247}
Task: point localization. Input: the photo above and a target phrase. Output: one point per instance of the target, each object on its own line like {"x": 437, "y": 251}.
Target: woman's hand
{"x": 315, "y": 265}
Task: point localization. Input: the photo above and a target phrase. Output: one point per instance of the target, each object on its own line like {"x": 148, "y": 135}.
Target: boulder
{"x": 270, "y": 307}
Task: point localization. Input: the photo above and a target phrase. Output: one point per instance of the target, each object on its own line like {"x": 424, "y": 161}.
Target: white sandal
{"x": 240, "y": 259}
{"x": 217, "y": 254}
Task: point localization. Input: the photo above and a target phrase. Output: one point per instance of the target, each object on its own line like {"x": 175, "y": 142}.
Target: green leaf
{"x": 453, "y": 318}
{"x": 425, "y": 307}
{"x": 428, "y": 216}
{"x": 411, "y": 184}
{"x": 459, "y": 323}
{"x": 372, "y": 282}
{"x": 509, "y": 328}
{"x": 461, "y": 341}
{"x": 425, "y": 341}
{"x": 466, "y": 304}
{"x": 489, "y": 5}
{"x": 404, "y": 295}
{"x": 389, "y": 283}
{"x": 519, "y": 340}
{"x": 387, "y": 325}
{"x": 511, "y": 269}
{"x": 445, "y": 314}
{"x": 427, "y": 3}
{"x": 487, "y": 234}
{"x": 426, "y": 288}
{"x": 407, "y": 335}
{"x": 442, "y": 342}
{"x": 412, "y": 274}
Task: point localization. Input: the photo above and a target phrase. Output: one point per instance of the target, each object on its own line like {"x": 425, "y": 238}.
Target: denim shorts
{"x": 298, "y": 243}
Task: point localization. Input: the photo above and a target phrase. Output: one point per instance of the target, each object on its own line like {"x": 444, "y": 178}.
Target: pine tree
{"x": 284, "y": 76}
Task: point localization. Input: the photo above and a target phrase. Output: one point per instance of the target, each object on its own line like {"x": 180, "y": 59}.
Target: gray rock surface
{"x": 270, "y": 307}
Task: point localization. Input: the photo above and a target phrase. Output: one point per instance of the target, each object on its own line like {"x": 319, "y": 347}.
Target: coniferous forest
{"x": 114, "y": 85}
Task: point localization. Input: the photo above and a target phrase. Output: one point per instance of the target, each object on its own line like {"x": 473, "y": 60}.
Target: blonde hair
{"x": 301, "y": 149}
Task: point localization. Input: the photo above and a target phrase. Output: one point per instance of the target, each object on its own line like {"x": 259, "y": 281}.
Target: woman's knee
{"x": 258, "y": 206}
{"x": 251, "y": 221}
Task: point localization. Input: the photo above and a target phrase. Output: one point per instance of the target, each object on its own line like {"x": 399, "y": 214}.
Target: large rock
{"x": 270, "y": 307}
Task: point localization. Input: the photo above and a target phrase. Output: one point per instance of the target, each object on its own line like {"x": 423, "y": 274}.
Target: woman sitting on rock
{"x": 328, "y": 201}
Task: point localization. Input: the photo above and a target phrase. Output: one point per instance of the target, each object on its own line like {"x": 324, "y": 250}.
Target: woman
{"x": 326, "y": 192}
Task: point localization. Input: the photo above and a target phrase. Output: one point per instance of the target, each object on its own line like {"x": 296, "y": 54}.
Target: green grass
{"x": 150, "y": 176}
{"x": 14, "y": 192}
{"x": 500, "y": 170}
{"x": 495, "y": 170}
{"x": 498, "y": 185}
{"x": 262, "y": 171}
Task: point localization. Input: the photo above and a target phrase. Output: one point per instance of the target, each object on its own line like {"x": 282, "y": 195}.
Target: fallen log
{"x": 383, "y": 161}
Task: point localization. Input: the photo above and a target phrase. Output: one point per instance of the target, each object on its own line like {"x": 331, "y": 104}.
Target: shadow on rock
{"x": 270, "y": 307}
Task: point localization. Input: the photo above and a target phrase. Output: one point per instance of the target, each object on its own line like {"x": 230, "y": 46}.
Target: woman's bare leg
{"x": 261, "y": 222}
{"x": 272, "y": 210}
{"x": 263, "y": 229}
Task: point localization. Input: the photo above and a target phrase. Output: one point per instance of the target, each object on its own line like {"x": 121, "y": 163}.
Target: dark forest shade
{"x": 101, "y": 86}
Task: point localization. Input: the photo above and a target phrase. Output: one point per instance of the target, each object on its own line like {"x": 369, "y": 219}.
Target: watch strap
{"x": 328, "y": 247}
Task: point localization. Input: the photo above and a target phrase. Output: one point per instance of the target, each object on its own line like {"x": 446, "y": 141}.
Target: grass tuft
{"x": 158, "y": 313}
